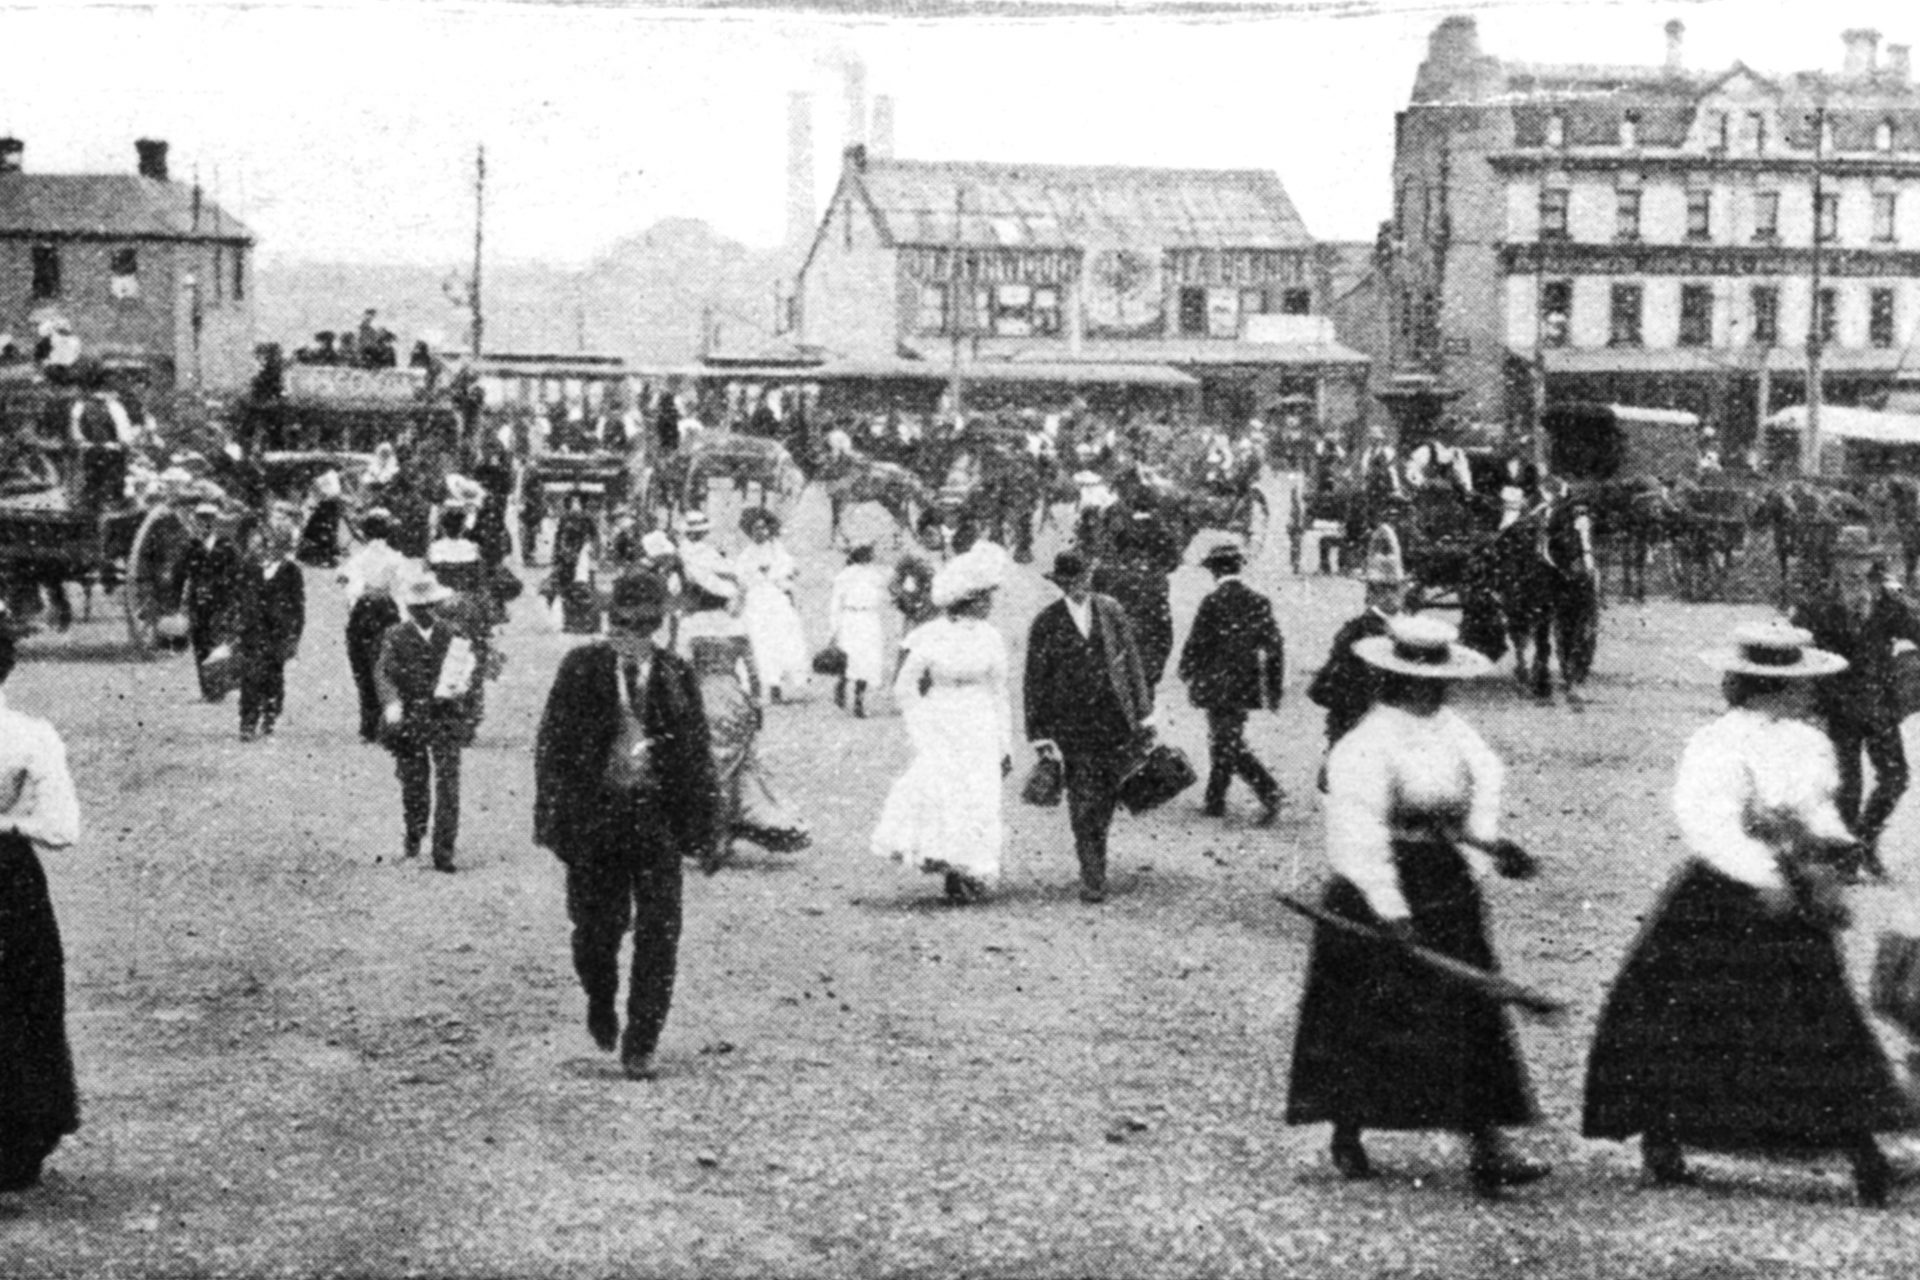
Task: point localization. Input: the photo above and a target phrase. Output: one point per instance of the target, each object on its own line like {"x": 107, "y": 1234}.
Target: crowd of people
{"x": 1731, "y": 1025}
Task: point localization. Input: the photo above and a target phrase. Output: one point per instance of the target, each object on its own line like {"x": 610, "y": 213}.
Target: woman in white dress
{"x": 943, "y": 813}
{"x": 767, "y": 573}
{"x": 856, "y": 607}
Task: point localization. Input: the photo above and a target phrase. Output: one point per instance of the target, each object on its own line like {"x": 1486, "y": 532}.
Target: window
{"x": 1696, "y": 315}
{"x": 240, "y": 275}
{"x": 1553, "y": 213}
{"x": 1556, "y": 312}
{"x": 1829, "y": 215}
{"x": 1757, "y": 124}
{"x": 1883, "y": 136}
{"x": 1722, "y": 127}
{"x": 219, "y": 273}
{"x": 931, "y": 316}
{"x": 46, "y": 271}
{"x": 1880, "y": 318}
{"x": 1883, "y": 211}
{"x": 1766, "y": 215}
{"x": 1826, "y": 316}
{"x": 1630, "y": 129}
{"x": 1296, "y": 302}
{"x": 1699, "y": 215}
{"x": 1624, "y": 328}
{"x": 1626, "y": 214}
{"x": 1406, "y": 317}
{"x": 1766, "y": 315}
{"x": 1429, "y": 322}
{"x": 1193, "y": 311}
{"x": 123, "y": 276}
{"x": 1557, "y": 130}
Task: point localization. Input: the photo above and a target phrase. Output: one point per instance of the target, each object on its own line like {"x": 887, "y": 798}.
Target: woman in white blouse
{"x": 1413, "y": 806}
{"x": 38, "y": 811}
{"x": 1732, "y": 1026}
{"x": 943, "y": 814}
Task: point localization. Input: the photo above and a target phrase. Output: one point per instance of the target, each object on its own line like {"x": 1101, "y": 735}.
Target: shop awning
{"x": 1073, "y": 373}
{"x": 1869, "y": 426}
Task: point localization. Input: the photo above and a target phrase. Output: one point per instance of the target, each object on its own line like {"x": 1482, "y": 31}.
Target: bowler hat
{"x": 639, "y": 599}
{"x": 1068, "y": 566}
{"x": 1225, "y": 558}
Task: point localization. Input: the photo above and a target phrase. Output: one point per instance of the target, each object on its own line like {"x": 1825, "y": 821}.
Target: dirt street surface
{"x": 298, "y": 1057}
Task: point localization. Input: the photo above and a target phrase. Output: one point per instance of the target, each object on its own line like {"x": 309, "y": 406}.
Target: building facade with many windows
{"x": 1647, "y": 235}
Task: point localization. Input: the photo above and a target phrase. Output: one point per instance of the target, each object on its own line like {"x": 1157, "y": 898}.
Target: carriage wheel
{"x": 1255, "y": 519}
{"x": 150, "y": 589}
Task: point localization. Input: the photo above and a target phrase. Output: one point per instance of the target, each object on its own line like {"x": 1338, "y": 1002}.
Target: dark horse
{"x": 1542, "y": 570}
{"x": 856, "y": 480}
{"x": 1804, "y": 521}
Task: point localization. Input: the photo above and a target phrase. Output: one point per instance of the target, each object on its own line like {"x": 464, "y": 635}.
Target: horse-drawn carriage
{"x": 680, "y": 481}
{"x": 74, "y": 508}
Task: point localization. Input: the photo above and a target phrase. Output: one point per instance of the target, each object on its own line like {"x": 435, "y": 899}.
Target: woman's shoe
{"x": 1494, "y": 1169}
{"x": 1665, "y": 1163}
{"x": 1872, "y": 1175}
{"x": 1350, "y": 1158}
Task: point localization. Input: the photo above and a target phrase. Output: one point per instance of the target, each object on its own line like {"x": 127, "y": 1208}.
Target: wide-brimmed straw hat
{"x": 1424, "y": 647}
{"x": 1775, "y": 651}
{"x": 423, "y": 588}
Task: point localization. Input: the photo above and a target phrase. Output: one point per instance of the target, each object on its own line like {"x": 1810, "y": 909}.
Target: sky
{"x": 347, "y": 131}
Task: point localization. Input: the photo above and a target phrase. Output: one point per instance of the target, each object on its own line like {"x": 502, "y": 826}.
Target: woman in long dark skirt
{"x": 1732, "y": 1026}
{"x": 1384, "y": 1042}
{"x": 39, "y": 1104}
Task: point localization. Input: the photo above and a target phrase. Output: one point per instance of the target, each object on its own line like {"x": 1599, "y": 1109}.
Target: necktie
{"x": 630, "y": 673}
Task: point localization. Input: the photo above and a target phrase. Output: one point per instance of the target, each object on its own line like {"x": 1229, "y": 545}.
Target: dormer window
{"x": 1630, "y": 129}
{"x": 1721, "y": 129}
{"x": 1883, "y": 136}
{"x": 1557, "y": 129}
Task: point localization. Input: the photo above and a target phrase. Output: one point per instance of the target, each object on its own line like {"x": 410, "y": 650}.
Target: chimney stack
{"x": 1676, "y": 33}
{"x": 856, "y": 81}
{"x": 12, "y": 153}
{"x": 1861, "y": 43}
{"x": 800, "y": 214}
{"x": 153, "y": 158}
{"x": 1899, "y": 63}
{"x": 881, "y": 141}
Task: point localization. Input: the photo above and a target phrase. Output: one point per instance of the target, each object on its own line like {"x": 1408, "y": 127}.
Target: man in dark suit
{"x": 1234, "y": 662}
{"x": 1857, "y": 612}
{"x": 1087, "y": 699}
{"x": 272, "y": 613}
{"x": 209, "y": 577}
{"x": 624, "y": 787}
{"x": 428, "y": 676}
{"x": 1346, "y": 686}
{"x": 1145, "y": 552}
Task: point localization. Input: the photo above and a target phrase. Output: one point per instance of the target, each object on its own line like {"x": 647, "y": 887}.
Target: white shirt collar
{"x": 1081, "y": 613}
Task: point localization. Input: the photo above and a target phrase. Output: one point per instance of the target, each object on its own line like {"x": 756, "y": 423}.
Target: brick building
{"x": 146, "y": 271}
{"x": 1645, "y": 234}
{"x": 1095, "y": 281}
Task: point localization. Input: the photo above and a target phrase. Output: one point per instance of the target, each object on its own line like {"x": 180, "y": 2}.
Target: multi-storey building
{"x": 1647, "y": 234}
{"x": 146, "y": 271}
{"x": 1078, "y": 280}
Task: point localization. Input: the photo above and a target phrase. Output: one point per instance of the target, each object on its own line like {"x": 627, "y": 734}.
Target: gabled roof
{"x": 1077, "y": 206}
{"x": 110, "y": 204}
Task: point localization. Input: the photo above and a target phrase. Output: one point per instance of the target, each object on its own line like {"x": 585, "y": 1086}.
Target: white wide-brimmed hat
{"x": 655, "y": 544}
{"x": 423, "y": 588}
{"x": 1424, "y": 647}
{"x": 695, "y": 522}
{"x": 453, "y": 551}
{"x": 1773, "y": 650}
{"x": 981, "y": 568}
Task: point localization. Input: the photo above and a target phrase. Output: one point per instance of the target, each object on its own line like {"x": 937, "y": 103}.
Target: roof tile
{"x": 109, "y": 204}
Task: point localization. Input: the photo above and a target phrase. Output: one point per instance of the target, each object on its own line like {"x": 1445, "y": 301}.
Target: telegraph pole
{"x": 956, "y": 390}
{"x": 479, "y": 220}
{"x": 1816, "y": 338}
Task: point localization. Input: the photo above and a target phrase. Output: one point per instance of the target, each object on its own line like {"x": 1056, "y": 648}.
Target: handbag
{"x": 219, "y": 673}
{"x": 1046, "y": 782}
{"x": 830, "y": 661}
{"x": 1894, "y": 992}
{"x": 1156, "y": 776}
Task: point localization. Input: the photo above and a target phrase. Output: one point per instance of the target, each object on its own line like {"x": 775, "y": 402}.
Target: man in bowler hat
{"x": 1233, "y": 663}
{"x": 1087, "y": 699}
{"x": 428, "y": 677}
{"x": 624, "y": 787}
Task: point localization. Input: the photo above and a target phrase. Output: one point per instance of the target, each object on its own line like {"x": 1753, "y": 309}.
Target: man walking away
{"x": 370, "y": 577}
{"x": 1087, "y": 698}
{"x": 273, "y": 614}
{"x": 1234, "y": 662}
{"x": 427, "y": 676}
{"x": 1346, "y": 686}
{"x": 624, "y": 788}
{"x": 1145, "y": 552}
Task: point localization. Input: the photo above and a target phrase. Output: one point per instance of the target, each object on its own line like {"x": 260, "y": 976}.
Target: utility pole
{"x": 1816, "y": 319}
{"x": 479, "y": 220}
{"x": 956, "y": 389}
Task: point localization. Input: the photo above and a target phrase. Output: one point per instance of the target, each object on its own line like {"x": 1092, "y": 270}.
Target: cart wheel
{"x": 151, "y": 585}
{"x": 1256, "y": 519}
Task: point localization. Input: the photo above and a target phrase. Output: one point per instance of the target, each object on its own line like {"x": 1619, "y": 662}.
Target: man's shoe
{"x": 1214, "y": 809}
{"x": 1269, "y": 811}
{"x": 1093, "y": 894}
{"x": 603, "y": 1024}
{"x": 412, "y": 850}
{"x": 635, "y": 1063}
{"x": 443, "y": 864}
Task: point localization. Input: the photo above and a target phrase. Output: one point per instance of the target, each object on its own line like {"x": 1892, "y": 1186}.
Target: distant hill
{"x": 642, "y": 299}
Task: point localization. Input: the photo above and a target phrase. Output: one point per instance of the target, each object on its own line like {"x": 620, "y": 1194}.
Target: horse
{"x": 892, "y": 487}
{"x": 993, "y": 488}
{"x": 1542, "y": 570}
{"x": 1709, "y": 525}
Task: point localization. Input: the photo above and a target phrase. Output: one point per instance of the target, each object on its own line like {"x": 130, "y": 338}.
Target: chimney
{"x": 856, "y": 157}
{"x": 856, "y": 81}
{"x": 12, "y": 151}
{"x": 800, "y": 213}
{"x": 1676, "y": 33}
{"x": 1861, "y": 43}
{"x": 1899, "y": 63}
{"x": 880, "y": 143}
{"x": 1456, "y": 41}
{"x": 153, "y": 158}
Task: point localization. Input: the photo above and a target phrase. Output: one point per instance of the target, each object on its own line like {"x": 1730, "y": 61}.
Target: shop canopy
{"x": 1868, "y": 426}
